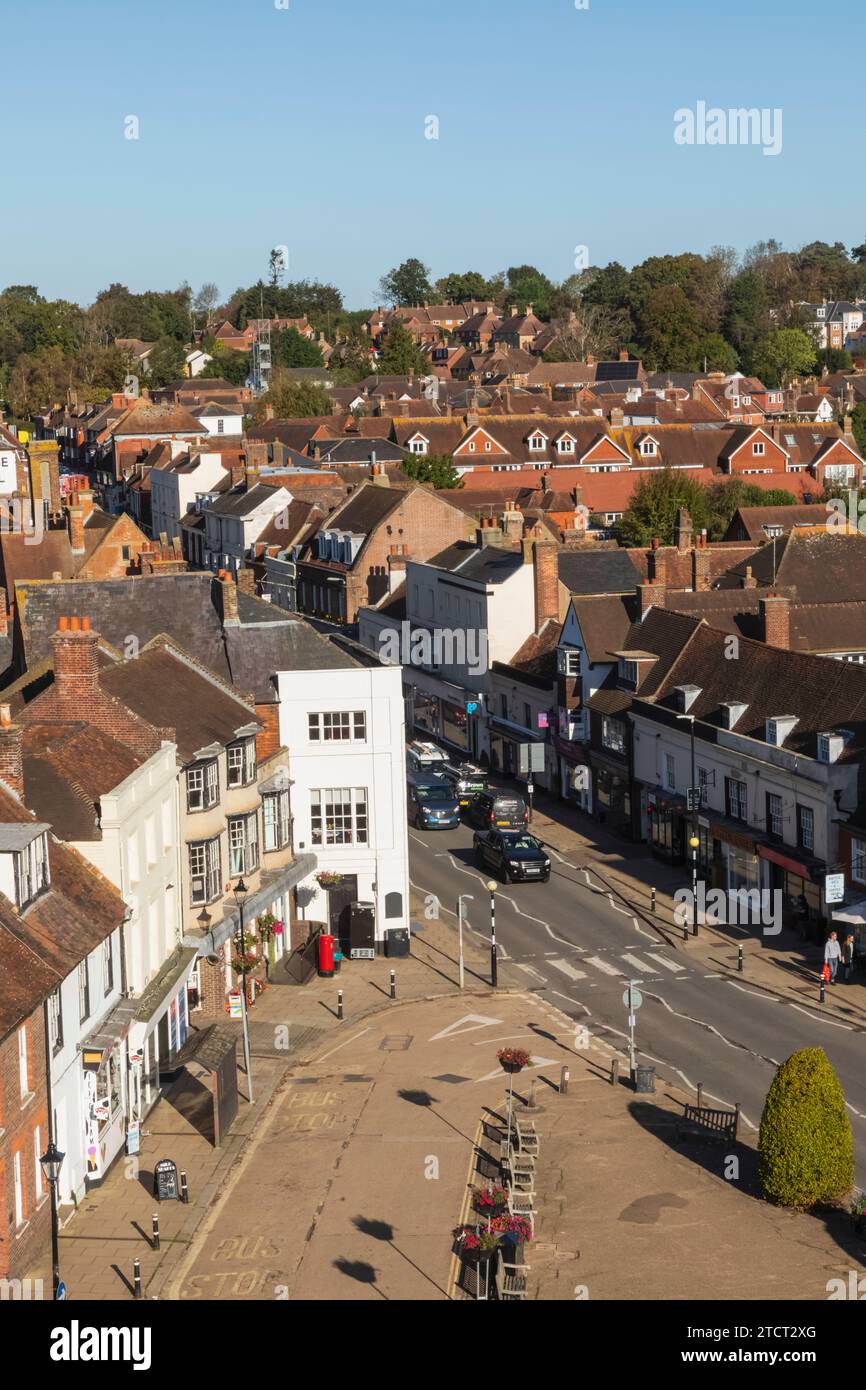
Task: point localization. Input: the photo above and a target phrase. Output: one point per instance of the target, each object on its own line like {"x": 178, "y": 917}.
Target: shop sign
{"x": 834, "y": 888}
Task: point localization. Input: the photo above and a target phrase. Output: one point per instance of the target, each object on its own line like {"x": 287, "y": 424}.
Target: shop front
{"x": 442, "y": 714}
{"x": 105, "y": 1098}
{"x": 799, "y": 881}
{"x": 159, "y": 1031}
{"x": 612, "y": 800}
{"x": 575, "y": 779}
{"x": 506, "y": 739}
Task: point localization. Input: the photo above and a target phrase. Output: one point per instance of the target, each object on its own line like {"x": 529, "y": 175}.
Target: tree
{"x": 436, "y": 469}
{"x": 725, "y": 498}
{"x": 458, "y": 289}
{"x": 408, "y": 283}
{"x": 525, "y": 284}
{"x": 593, "y": 329}
{"x": 858, "y": 424}
{"x": 805, "y": 1144}
{"x": 399, "y": 354}
{"x": 167, "y": 362}
{"x": 227, "y": 363}
{"x": 717, "y": 354}
{"x": 669, "y": 330}
{"x": 205, "y": 302}
{"x": 608, "y": 285}
{"x": 783, "y": 354}
{"x": 353, "y": 357}
{"x": 289, "y": 348}
{"x": 292, "y": 400}
{"x": 655, "y": 503}
{"x": 747, "y": 315}
{"x": 834, "y": 359}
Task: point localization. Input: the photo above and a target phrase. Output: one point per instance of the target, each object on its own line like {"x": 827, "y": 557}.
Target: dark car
{"x": 497, "y": 811}
{"x": 431, "y": 803}
{"x": 514, "y": 854}
{"x": 465, "y": 779}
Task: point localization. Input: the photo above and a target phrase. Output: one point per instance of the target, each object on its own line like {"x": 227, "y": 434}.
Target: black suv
{"x": 465, "y": 779}
{"x": 513, "y": 854}
{"x": 498, "y": 810}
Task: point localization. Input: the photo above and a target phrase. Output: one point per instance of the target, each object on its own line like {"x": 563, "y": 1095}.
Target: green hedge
{"x": 805, "y": 1143}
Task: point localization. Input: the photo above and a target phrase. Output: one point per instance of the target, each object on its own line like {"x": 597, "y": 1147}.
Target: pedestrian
{"x": 832, "y": 955}
{"x": 848, "y": 958}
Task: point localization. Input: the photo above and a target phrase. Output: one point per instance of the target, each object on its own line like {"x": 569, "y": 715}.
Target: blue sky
{"x": 305, "y": 127}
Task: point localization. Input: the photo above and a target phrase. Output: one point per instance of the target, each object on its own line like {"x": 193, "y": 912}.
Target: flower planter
{"x": 512, "y": 1068}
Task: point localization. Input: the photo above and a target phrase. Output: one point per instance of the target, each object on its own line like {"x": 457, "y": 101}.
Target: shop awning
{"x": 515, "y": 733}
{"x": 785, "y": 861}
{"x": 110, "y": 1033}
{"x": 855, "y": 913}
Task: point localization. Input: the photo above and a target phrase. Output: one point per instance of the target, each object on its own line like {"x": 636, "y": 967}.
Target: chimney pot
{"x": 62, "y": 624}
{"x": 74, "y": 625}
{"x": 85, "y": 624}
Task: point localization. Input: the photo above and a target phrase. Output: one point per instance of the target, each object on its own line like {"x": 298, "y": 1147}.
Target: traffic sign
{"x": 61, "y": 1293}
{"x": 632, "y": 998}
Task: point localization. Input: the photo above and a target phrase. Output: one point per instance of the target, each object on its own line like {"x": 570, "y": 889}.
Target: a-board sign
{"x": 165, "y": 1184}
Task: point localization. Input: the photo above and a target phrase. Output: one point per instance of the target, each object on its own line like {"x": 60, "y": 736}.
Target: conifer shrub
{"x": 805, "y": 1144}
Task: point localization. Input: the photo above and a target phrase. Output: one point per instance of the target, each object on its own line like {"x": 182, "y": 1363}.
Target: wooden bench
{"x": 510, "y": 1280}
{"x": 712, "y": 1126}
{"x": 521, "y": 1204}
{"x": 519, "y": 1177}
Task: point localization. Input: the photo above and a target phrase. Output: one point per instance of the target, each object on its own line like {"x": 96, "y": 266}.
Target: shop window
{"x": 805, "y": 827}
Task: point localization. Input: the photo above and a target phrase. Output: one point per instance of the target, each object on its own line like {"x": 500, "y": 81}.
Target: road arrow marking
{"x": 467, "y": 1024}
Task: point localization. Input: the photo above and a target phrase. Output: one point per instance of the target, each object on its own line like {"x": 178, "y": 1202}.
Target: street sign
{"x": 531, "y": 757}
{"x": 236, "y": 1008}
{"x": 471, "y": 706}
{"x": 834, "y": 888}
{"x": 693, "y": 798}
{"x": 632, "y": 998}
{"x": 62, "y": 1293}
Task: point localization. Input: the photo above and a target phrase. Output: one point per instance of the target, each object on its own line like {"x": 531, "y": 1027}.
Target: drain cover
{"x": 394, "y": 1043}
{"x": 451, "y": 1078}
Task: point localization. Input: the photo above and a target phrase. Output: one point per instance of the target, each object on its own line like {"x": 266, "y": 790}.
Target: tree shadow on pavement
{"x": 425, "y": 1101}
{"x": 360, "y": 1271}
{"x": 384, "y": 1231}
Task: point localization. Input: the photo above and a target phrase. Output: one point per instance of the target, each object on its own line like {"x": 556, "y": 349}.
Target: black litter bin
{"x": 397, "y": 942}
{"x": 645, "y": 1080}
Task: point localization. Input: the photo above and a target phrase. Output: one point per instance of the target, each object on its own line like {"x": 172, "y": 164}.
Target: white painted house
{"x": 182, "y": 489}
{"x": 345, "y": 730}
{"x": 234, "y": 522}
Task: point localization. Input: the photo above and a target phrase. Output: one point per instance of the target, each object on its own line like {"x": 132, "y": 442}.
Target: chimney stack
{"x": 76, "y": 665}
{"x": 545, "y": 557}
{"x": 11, "y": 761}
{"x": 683, "y": 531}
{"x": 229, "y": 598}
{"x": 776, "y": 621}
{"x": 650, "y": 595}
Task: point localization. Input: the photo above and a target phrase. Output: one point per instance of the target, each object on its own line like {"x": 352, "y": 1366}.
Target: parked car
{"x": 431, "y": 803}
{"x": 513, "y": 854}
{"x": 421, "y": 755}
{"x": 465, "y": 779}
{"x": 502, "y": 810}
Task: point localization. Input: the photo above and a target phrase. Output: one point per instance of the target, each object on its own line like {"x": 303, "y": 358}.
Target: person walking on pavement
{"x": 848, "y": 958}
{"x": 832, "y": 955}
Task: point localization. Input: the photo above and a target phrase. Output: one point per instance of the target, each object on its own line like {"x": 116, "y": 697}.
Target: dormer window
{"x": 202, "y": 786}
{"x": 241, "y": 758}
{"x": 24, "y": 867}
{"x": 648, "y": 448}
{"x": 537, "y": 442}
{"x": 565, "y": 445}
{"x": 418, "y": 446}
{"x": 628, "y": 671}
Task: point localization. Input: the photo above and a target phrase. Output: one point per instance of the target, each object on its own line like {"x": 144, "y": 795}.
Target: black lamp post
{"x": 52, "y": 1161}
{"x": 241, "y": 893}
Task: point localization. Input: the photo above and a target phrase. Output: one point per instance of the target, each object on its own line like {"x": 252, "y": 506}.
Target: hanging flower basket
{"x": 513, "y": 1059}
{"x": 513, "y": 1228}
{"x": 328, "y": 879}
{"x": 491, "y": 1200}
{"x": 246, "y": 963}
{"x": 476, "y": 1242}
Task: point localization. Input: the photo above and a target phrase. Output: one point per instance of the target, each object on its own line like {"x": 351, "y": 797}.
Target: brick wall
{"x": 428, "y": 525}
{"x": 17, "y": 1135}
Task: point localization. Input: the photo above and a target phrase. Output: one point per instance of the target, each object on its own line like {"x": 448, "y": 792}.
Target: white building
{"x": 182, "y": 489}
{"x": 234, "y": 522}
{"x": 345, "y": 730}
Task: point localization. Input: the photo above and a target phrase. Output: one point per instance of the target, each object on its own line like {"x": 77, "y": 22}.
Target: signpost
{"x": 165, "y": 1183}
{"x": 632, "y": 998}
{"x": 62, "y": 1292}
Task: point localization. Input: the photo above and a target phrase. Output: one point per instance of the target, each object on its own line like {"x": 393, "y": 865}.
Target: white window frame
{"x": 337, "y": 726}
{"x": 209, "y": 874}
{"x": 613, "y": 734}
{"x": 759, "y": 448}
{"x": 241, "y": 762}
{"x": 243, "y": 833}
{"x": 275, "y": 821}
{"x": 339, "y": 816}
{"x": 23, "y": 1066}
{"x": 202, "y": 786}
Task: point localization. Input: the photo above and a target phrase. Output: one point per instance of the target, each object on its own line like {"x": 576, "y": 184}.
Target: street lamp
{"x": 464, "y": 897}
{"x": 51, "y": 1161}
{"x": 241, "y": 893}
{"x": 694, "y": 841}
{"x": 494, "y": 973}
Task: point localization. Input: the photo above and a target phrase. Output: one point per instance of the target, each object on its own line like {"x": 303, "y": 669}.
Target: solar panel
{"x": 616, "y": 371}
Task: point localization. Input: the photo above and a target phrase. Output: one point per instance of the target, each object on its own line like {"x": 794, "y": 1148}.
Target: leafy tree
{"x": 408, "y": 283}
{"x": 858, "y": 424}
{"x": 167, "y": 362}
{"x": 655, "y": 503}
{"x": 725, "y": 498}
{"x": 783, "y": 354}
{"x": 436, "y": 469}
{"x": 525, "y": 284}
{"x": 805, "y": 1144}
{"x": 319, "y": 302}
{"x": 834, "y": 359}
{"x": 858, "y": 253}
{"x": 355, "y": 362}
{"x": 747, "y": 314}
{"x": 227, "y": 363}
{"x": 399, "y": 354}
{"x": 718, "y": 354}
{"x": 289, "y": 348}
{"x": 609, "y": 285}
{"x": 292, "y": 400}
{"x": 669, "y": 330}
{"x": 458, "y": 289}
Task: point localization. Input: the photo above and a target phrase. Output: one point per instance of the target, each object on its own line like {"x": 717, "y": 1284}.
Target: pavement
{"x": 346, "y": 1177}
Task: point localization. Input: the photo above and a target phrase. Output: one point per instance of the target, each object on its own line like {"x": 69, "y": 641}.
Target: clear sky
{"x": 305, "y": 126}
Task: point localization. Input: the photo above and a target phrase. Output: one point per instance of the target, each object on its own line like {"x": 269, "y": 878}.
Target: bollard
{"x": 740, "y": 958}
{"x": 614, "y": 1071}
{"x": 821, "y": 994}
{"x": 136, "y": 1278}
{"x": 184, "y": 1189}
{"x": 563, "y": 1081}
{"x": 685, "y": 931}
{"x": 700, "y": 1094}
{"x": 339, "y": 1004}
{"x": 393, "y": 984}
{"x": 531, "y": 1102}
{"x": 652, "y": 900}
{"x": 155, "y": 1221}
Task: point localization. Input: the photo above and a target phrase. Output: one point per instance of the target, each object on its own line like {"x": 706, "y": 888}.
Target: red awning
{"x": 784, "y": 861}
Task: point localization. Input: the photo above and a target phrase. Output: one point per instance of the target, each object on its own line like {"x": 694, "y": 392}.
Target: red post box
{"x": 326, "y": 954}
